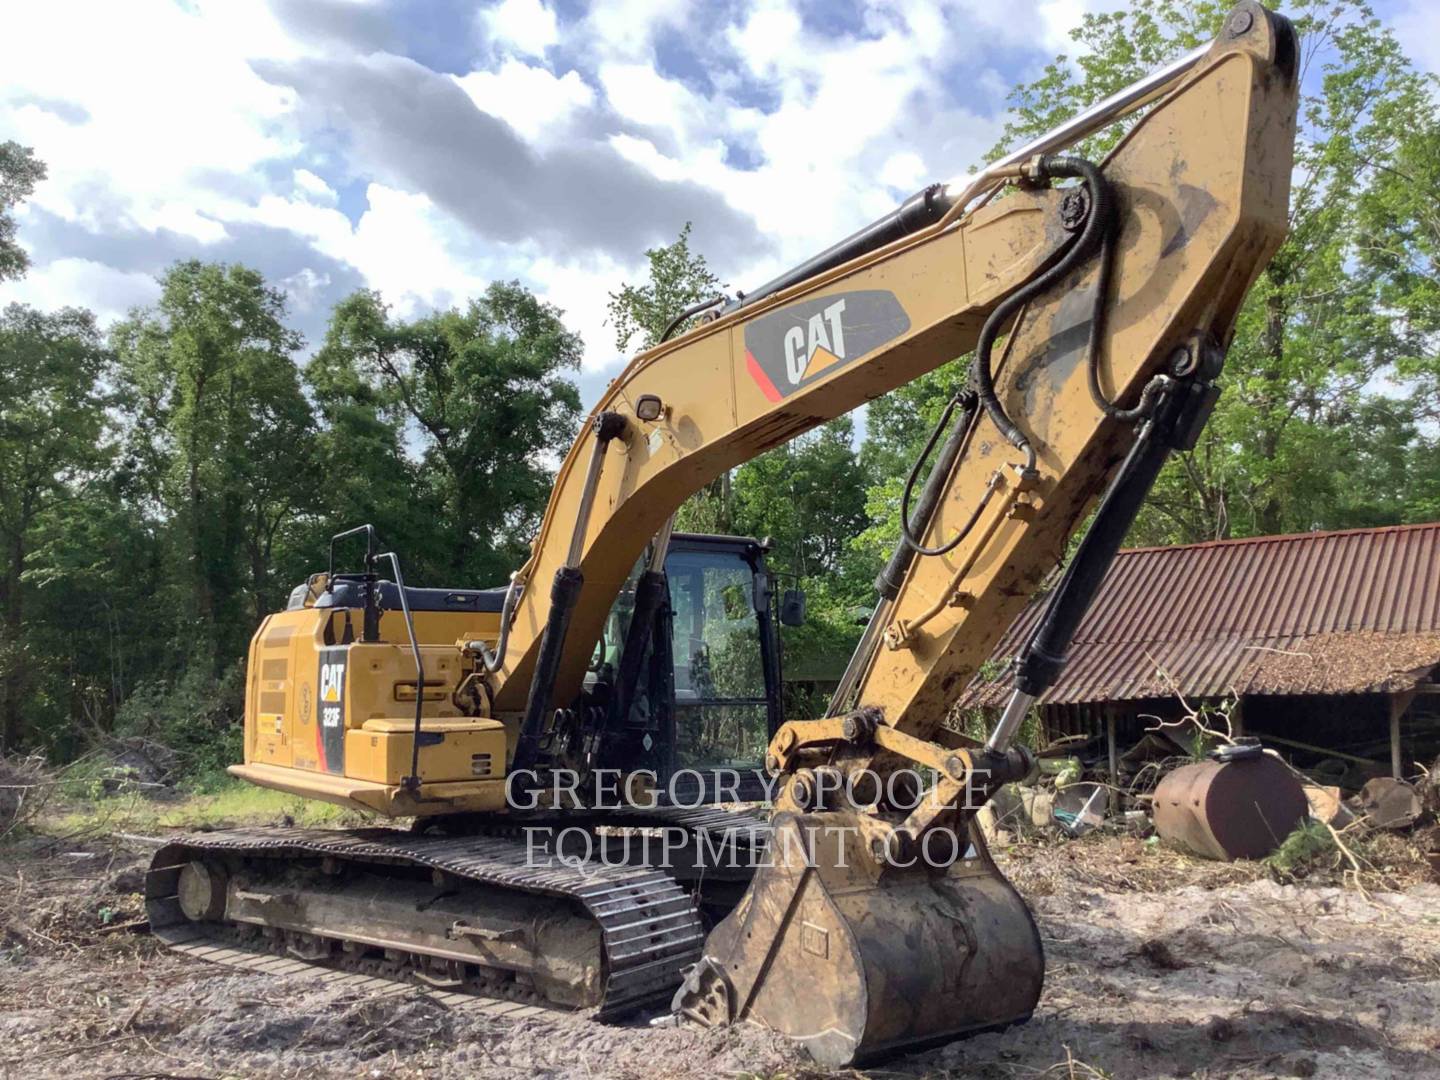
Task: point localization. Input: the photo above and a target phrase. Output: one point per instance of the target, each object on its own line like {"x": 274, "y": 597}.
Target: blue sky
{"x": 427, "y": 147}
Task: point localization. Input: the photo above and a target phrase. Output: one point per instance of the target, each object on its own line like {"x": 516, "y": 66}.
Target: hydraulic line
{"x": 1098, "y": 221}
{"x": 911, "y": 532}
{"x": 1151, "y": 392}
{"x": 494, "y": 659}
{"x": 689, "y": 313}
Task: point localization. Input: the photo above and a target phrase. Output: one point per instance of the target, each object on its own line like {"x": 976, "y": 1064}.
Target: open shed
{"x": 1327, "y": 643}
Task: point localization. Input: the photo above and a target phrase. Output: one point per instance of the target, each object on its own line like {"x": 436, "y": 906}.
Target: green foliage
{"x": 1309, "y": 848}
{"x": 53, "y": 444}
{"x": 226, "y": 803}
{"x": 440, "y": 429}
{"x": 808, "y": 496}
{"x": 678, "y": 278}
{"x": 20, "y": 171}
{"x": 197, "y": 717}
{"x": 1333, "y": 361}
{"x": 160, "y": 496}
{"x": 222, "y": 436}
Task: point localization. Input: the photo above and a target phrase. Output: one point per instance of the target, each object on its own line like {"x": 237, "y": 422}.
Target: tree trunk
{"x": 259, "y": 575}
{"x": 1269, "y": 511}
{"x": 201, "y": 598}
{"x": 12, "y": 718}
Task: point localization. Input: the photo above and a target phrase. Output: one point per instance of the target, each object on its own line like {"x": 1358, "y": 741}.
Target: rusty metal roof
{"x": 1314, "y": 613}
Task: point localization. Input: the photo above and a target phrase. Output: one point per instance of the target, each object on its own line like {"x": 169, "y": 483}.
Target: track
{"x": 649, "y": 930}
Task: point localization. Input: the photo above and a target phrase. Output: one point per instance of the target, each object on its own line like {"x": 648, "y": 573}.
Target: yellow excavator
{"x": 567, "y": 746}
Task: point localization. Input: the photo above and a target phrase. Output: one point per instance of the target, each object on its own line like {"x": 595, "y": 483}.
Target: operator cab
{"x": 711, "y": 698}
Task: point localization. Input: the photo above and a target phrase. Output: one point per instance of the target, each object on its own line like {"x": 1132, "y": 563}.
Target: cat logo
{"x": 330, "y": 732}
{"x": 332, "y": 682}
{"x": 805, "y": 341}
{"x": 818, "y": 345}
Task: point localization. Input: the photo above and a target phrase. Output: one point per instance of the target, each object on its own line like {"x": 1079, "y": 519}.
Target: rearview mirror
{"x": 792, "y": 608}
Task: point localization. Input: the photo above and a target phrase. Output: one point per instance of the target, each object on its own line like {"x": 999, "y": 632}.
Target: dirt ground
{"x": 1158, "y": 966}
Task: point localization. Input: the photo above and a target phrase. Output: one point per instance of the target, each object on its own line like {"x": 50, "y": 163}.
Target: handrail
{"x": 413, "y": 780}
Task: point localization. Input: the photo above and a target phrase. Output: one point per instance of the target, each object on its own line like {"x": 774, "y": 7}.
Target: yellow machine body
{"x": 1093, "y": 362}
{"x": 333, "y": 718}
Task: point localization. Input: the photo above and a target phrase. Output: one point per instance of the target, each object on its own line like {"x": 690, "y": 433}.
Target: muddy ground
{"x": 1158, "y": 966}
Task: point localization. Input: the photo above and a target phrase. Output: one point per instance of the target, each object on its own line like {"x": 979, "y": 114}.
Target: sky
{"x": 425, "y": 148}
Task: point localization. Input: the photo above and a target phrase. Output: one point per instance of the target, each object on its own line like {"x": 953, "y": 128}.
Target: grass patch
{"x": 228, "y": 803}
{"x": 1311, "y": 847}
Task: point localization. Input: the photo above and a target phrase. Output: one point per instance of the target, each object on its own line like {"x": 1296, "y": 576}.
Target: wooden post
{"x": 1394, "y": 736}
{"x": 1237, "y": 719}
{"x": 1110, "y": 741}
{"x": 1398, "y": 704}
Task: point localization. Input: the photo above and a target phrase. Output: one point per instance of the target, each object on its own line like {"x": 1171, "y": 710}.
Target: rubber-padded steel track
{"x": 650, "y": 930}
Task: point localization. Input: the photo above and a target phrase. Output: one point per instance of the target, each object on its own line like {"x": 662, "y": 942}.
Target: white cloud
{"x": 108, "y": 292}
{"x": 305, "y": 288}
{"x": 640, "y": 93}
{"x": 625, "y": 29}
{"x": 171, "y": 103}
{"x": 904, "y": 170}
{"x": 526, "y": 26}
{"x": 314, "y": 187}
{"x": 581, "y": 288}
{"x": 180, "y": 133}
{"x": 1057, "y": 19}
{"x": 532, "y": 100}
{"x": 401, "y": 245}
{"x": 847, "y": 103}
{"x": 1417, "y": 25}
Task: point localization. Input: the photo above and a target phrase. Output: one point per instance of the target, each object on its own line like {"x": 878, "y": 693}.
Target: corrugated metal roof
{"x": 1313, "y": 613}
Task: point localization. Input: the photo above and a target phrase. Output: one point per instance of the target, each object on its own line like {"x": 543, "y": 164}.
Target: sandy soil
{"x": 1157, "y": 967}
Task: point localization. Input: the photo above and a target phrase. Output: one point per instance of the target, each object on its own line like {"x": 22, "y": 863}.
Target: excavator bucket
{"x": 856, "y": 958}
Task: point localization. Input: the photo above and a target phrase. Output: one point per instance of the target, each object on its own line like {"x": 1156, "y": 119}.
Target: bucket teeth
{"x": 856, "y": 961}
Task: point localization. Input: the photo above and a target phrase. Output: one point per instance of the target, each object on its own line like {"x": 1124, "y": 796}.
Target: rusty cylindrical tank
{"x": 1240, "y": 805}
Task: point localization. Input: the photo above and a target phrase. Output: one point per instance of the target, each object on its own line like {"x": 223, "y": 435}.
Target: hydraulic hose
{"x": 689, "y": 313}
{"x": 493, "y": 659}
{"x": 912, "y": 531}
{"x": 1150, "y": 394}
{"x": 1099, "y": 222}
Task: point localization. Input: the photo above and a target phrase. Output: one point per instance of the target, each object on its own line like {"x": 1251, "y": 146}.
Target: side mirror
{"x": 792, "y": 608}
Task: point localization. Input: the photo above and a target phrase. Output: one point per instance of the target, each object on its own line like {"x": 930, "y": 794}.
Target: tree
{"x": 96, "y": 579}
{"x": 480, "y": 395}
{"x": 808, "y": 496}
{"x": 1350, "y": 300}
{"x": 678, "y": 278}
{"x": 223, "y": 435}
{"x": 53, "y": 441}
{"x": 20, "y": 171}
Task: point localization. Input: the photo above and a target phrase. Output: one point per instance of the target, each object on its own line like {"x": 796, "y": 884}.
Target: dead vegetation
{"x": 1159, "y": 964}
{"x": 26, "y": 788}
{"x": 1321, "y": 960}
